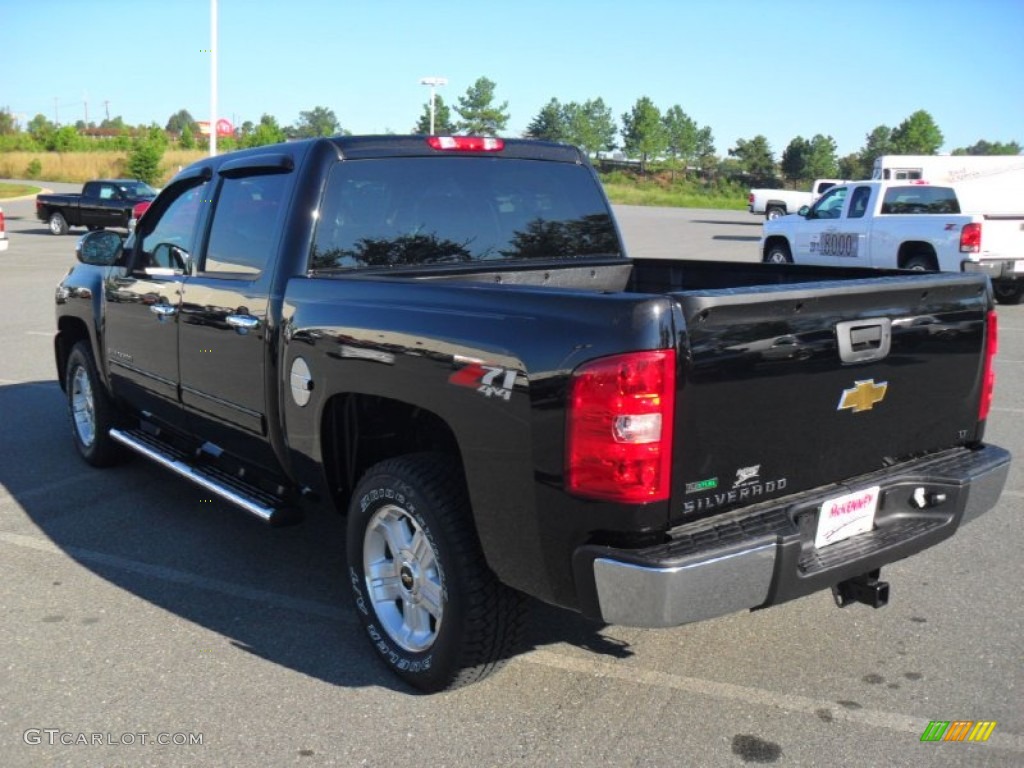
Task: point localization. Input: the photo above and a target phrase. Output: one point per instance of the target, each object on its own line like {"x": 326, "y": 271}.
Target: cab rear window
{"x": 920, "y": 199}
{"x": 450, "y": 210}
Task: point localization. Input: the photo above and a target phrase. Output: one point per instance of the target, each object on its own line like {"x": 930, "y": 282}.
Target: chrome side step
{"x": 265, "y": 506}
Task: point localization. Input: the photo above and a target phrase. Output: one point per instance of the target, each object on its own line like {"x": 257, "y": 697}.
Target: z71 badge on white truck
{"x": 901, "y": 225}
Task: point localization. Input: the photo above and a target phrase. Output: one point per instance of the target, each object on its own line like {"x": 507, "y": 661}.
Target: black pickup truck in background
{"x": 101, "y": 203}
{"x": 443, "y": 338}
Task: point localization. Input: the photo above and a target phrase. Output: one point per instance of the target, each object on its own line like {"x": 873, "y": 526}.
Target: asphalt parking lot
{"x": 145, "y": 625}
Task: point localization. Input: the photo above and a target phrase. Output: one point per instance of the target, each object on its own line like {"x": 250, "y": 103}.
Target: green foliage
{"x": 805, "y": 160}
{"x": 34, "y": 169}
{"x": 267, "y": 132}
{"x": 144, "y": 160}
{"x": 983, "y": 147}
{"x": 851, "y": 167}
{"x": 550, "y": 124}
{"x": 319, "y": 121}
{"x": 643, "y": 132}
{"x": 631, "y": 189}
{"x": 181, "y": 122}
{"x": 917, "y": 135}
{"x": 188, "y": 139}
{"x": 590, "y": 126}
{"x": 755, "y": 158}
{"x": 443, "y": 124}
{"x": 8, "y": 125}
{"x": 681, "y": 133}
{"x": 479, "y": 115}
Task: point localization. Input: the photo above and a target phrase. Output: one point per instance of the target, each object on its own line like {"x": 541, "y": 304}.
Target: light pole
{"x": 213, "y": 77}
{"x": 433, "y": 82}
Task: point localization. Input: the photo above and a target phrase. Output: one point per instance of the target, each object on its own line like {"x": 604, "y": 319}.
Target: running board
{"x": 265, "y": 506}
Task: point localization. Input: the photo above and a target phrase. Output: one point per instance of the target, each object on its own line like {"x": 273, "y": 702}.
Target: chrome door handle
{"x": 163, "y": 310}
{"x": 242, "y": 323}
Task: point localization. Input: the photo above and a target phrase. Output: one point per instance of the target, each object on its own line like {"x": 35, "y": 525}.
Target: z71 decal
{"x": 488, "y": 380}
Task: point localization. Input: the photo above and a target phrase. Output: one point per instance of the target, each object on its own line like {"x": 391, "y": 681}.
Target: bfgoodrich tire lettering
{"x": 431, "y": 608}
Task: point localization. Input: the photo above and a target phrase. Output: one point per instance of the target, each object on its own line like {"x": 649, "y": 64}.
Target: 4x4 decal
{"x": 489, "y": 380}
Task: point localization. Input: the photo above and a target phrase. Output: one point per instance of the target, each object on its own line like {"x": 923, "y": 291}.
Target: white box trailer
{"x": 988, "y": 184}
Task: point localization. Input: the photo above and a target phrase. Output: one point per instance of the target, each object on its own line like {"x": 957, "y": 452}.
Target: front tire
{"x": 90, "y": 409}
{"x": 778, "y": 253}
{"x": 431, "y": 608}
{"x": 1008, "y": 292}
{"x": 58, "y": 224}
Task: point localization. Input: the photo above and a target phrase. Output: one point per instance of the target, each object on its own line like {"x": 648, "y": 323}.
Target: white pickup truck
{"x": 773, "y": 203}
{"x": 901, "y": 225}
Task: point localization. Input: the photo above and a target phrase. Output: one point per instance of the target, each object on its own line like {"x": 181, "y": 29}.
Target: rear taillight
{"x": 619, "y": 427}
{"x": 140, "y": 208}
{"x": 3, "y": 224}
{"x": 988, "y": 373}
{"x": 750, "y": 199}
{"x": 466, "y": 143}
{"x": 970, "y": 238}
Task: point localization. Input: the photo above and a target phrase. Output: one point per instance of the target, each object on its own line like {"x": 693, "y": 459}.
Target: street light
{"x": 433, "y": 82}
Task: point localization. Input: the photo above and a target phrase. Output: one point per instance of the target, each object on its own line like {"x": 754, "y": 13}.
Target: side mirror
{"x": 102, "y": 248}
{"x": 804, "y": 210}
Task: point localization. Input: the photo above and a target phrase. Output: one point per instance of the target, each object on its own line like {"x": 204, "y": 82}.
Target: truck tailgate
{"x": 787, "y": 388}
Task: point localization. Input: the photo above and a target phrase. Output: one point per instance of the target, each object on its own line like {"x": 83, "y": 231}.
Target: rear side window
{"x": 245, "y": 225}
{"x": 920, "y": 199}
{"x": 450, "y": 210}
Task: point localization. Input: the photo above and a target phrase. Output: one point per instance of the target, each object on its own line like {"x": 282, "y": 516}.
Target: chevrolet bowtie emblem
{"x": 863, "y": 396}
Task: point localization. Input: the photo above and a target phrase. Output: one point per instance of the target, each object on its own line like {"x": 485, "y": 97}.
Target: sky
{"x": 780, "y": 69}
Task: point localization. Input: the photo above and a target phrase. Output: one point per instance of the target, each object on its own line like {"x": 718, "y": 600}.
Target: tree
{"x": 877, "y": 143}
{"x": 550, "y": 124}
{"x": 479, "y": 115}
{"x": 41, "y": 128}
{"x": 8, "y": 124}
{"x": 319, "y": 121}
{"x": 267, "y": 132}
{"x": 850, "y": 167}
{"x": 590, "y": 126}
{"x": 443, "y": 124}
{"x": 188, "y": 139}
{"x": 705, "y": 151}
{"x": 917, "y": 135}
{"x": 755, "y": 157}
{"x": 643, "y": 132}
{"x": 981, "y": 147}
{"x": 181, "y": 122}
{"x": 65, "y": 139}
{"x": 113, "y": 124}
{"x": 794, "y": 158}
{"x": 144, "y": 159}
{"x": 821, "y": 162}
{"x": 681, "y": 134}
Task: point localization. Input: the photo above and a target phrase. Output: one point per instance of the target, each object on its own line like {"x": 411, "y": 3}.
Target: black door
{"x": 144, "y": 301}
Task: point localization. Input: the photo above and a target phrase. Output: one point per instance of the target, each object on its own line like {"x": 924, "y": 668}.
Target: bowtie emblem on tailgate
{"x": 862, "y": 396}
{"x": 862, "y": 341}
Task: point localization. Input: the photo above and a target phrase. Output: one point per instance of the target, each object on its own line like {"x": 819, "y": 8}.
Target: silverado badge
{"x": 862, "y": 396}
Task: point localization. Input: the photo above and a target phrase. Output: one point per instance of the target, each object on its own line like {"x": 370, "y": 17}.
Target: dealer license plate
{"x": 846, "y": 516}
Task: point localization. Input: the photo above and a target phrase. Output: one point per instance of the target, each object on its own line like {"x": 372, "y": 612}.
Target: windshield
{"x": 410, "y": 211}
{"x": 136, "y": 189}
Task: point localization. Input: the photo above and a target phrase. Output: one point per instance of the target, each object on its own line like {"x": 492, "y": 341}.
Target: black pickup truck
{"x": 443, "y": 338}
{"x": 101, "y": 203}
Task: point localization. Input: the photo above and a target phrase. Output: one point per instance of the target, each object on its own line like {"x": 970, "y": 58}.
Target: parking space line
{"x": 892, "y": 721}
{"x": 175, "y": 576}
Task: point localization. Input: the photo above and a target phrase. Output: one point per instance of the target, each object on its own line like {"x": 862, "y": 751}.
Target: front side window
{"x": 859, "y": 202}
{"x": 451, "y": 210}
{"x": 830, "y": 205}
{"x": 165, "y": 240}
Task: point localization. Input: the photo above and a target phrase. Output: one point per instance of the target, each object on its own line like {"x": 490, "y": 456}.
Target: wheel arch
{"x": 916, "y": 248}
{"x": 774, "y": 240}
{"x": 360, "y": 430}
{"x": 70, "y": 331}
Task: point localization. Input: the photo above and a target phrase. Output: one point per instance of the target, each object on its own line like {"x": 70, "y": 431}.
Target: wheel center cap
{"x": 407, "y": 577}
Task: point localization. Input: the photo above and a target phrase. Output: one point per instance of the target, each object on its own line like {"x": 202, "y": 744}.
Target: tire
{"x": 920, "y": 263}
{"x": 778, "y": 253}
{"x": 431, "y": 608}
{"x": 1008, "y": 292}
{"x": 90, "y": 410}
{"x": 774, "y": 212}
{"x": 58, "y": 224}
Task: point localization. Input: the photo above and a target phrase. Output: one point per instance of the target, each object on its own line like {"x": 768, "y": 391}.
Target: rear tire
{"x": 431, "y": 608}
{"x": 778, "y": 253}
{"x": 58, "y": 224}
{"x": 774, "y": 212}
{"x": 921, "y": 263}
{"x": 1008, "y": 292}
{"x": 91, "y": 411}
